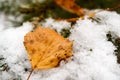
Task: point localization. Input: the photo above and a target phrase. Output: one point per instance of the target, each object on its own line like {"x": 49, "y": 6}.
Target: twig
{"x": 30, "y": 74}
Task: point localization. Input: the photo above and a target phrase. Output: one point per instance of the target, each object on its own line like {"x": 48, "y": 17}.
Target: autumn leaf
{"x": 71, "y": 6}
{"x": 46, "y": 48}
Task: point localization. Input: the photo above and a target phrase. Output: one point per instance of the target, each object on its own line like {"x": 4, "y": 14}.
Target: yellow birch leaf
{"x": 46, "y": 48}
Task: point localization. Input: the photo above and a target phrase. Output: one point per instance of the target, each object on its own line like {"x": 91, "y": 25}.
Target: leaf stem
{"x": 30, "y": 74}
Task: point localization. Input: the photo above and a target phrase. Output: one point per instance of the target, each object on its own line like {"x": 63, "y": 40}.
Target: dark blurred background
{"x": 30, "y": 9}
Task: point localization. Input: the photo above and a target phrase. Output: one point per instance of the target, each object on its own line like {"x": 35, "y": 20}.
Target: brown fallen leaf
{"x": 71, "y": 6}
{"x": 46, "y": 48}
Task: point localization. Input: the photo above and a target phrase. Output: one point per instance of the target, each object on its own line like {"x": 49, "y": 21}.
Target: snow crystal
{"x": 93, "y": 59}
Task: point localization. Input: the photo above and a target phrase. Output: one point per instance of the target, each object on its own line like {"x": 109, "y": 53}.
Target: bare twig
{"x": 30, "y": 74}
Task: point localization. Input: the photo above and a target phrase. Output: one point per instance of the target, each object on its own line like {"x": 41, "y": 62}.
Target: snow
{"x": 93, "y": 59}
{"x": 12, "y": 49}
{"x": 58, "y": 25}
{"x": 6, "y": 21}
{"x": 3, "y": 21}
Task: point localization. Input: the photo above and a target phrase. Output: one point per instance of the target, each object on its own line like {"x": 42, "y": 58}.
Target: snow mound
{"x": 93, "y": 59}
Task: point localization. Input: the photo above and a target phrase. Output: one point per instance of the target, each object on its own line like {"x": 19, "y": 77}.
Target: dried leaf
{"x": 91, "y": 15}
{"x": 46, "y": 48}
{"x": 70, "y": 6}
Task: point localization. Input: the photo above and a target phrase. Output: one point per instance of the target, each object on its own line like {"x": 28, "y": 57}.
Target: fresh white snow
{"x": 93, "y": 59}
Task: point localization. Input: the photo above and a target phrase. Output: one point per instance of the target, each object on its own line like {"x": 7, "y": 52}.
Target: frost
{"x": 94, "y": 57}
